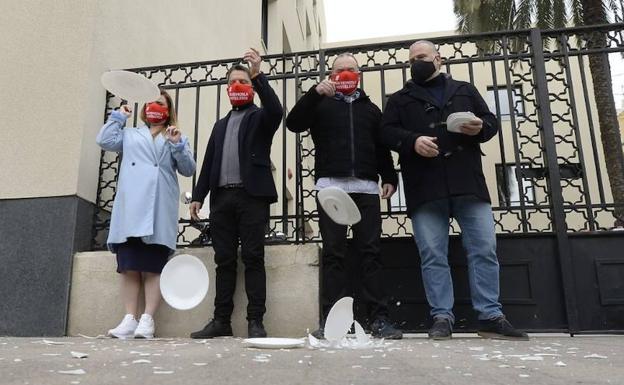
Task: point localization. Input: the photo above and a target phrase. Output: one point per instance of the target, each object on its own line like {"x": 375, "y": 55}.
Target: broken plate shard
{"x": 339, "y": 319}
{"x": 598, "y": 356}
{"x": 72, "y": 372}
{"x": 361, "y": 337}
{"x": 79, "y": 355}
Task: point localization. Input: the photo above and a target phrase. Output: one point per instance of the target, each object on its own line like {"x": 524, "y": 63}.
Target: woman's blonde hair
{"x": 172, "y": 120}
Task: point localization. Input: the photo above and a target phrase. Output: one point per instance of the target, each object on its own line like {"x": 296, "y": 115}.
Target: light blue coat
{"x": 146, "y": 200}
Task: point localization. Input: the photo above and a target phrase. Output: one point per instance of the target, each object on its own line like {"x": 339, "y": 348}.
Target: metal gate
{"x": 562, "y": 267}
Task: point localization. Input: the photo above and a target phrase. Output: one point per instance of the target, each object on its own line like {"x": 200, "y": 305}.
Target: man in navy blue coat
{"x": 443, "y": 178}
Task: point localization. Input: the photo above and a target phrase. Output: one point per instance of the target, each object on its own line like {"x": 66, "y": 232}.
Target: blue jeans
{"x": 431, "y": 222}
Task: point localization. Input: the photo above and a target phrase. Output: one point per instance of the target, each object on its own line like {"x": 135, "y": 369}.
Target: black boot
{"x": 255, "y": 329}
{"x": 215, "y": 328}
{"x": 499, "y": 328}
{"x": 441, "y": 329}
{"x": 319, "y": 333}
{"x": 383, "y": 328}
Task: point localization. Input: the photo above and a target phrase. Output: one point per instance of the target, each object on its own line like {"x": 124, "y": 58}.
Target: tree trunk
{"x": 605, "y": 105}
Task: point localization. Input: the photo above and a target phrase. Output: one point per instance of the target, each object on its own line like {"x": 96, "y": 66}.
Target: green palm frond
{"x": 482, "y": 15}
{"x": 611, "y": 10}
{"x": 524, "y": 12}
{"x": 576, "y": 8}
{"x": 544, "y": 19}
{"x": 476, "y": 16}
{"x": 560, "y": 18}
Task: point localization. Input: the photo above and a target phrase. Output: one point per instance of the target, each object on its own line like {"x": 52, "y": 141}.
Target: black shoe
{"x": 441, "y": 329}
{"x": 319, "y": 333}
{"x": 383, "y": 328}
{"x": 255, "y": 329}
{"x": 215, "y": 328}
{"x": 499, "y": 328}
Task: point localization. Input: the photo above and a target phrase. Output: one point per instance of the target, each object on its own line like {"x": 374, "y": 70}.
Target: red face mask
{"x": 156, "y": 113}
{"x": 240, "y": 94}
{"x": 346, "y": 81}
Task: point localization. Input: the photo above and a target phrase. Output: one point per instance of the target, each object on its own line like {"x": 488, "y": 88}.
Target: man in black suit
{"x": 237, "y": 172}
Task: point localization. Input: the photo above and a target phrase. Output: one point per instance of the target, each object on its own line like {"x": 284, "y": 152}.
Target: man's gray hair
{"x": 428, "y": 43}
{"x": 346, "y": 54}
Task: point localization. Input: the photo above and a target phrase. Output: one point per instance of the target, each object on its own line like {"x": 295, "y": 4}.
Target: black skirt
{"x": 134, "y": 255}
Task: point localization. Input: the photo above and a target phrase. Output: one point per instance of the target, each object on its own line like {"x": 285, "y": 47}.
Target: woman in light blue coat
{"x": 144, "y": 221}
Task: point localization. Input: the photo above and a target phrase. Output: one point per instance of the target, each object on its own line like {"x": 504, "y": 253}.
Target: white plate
{"x": 274, "y": 343}
{"x": 361, "y": 337}
{"x": 130, "y": 86}
{"x": 339, "y": 206}
{"x": 184, "y": 282}
{"x": 455, "y": 120}
{"x": 339, "y": 319}
{"x": 186, "y": 198}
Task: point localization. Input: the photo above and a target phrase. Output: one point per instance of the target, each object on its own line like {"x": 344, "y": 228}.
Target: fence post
{"x": 554, "y": 180}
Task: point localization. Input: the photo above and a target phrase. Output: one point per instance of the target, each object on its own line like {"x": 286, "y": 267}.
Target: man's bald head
{"x": 425, "y": 44}
{"x": 345, "y": 61}
{"x": 423, "y": 50}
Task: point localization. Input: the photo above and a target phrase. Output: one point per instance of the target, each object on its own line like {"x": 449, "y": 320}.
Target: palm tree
{"x": 493, "y": 15}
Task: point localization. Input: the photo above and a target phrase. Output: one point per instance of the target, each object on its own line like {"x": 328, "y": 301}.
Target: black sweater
{"x": 345, "y": 135}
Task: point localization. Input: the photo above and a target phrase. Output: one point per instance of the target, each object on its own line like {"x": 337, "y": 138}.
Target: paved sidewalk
{"x": 415, "y": 360}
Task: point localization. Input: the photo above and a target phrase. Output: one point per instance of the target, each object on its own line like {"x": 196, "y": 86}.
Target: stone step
{"x": 292, "y": 295}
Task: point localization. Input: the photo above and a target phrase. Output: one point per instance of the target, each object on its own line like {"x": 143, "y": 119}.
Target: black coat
{"x": 412, "y": 112}
{"x": 346, "y": 137}
{"x": 254, "y": 147}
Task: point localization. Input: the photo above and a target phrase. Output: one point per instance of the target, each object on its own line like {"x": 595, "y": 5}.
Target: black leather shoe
{"x": 255, "y": 329}
{"x": 215, "y": 328}
{"x": 499, "y": 328}
{"x": 383, "y": 328}
{"x": 441, "y": 329}
{"x": 319, "y": 333}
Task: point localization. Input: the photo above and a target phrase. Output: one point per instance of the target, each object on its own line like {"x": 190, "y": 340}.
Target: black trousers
{"x": 234, "y": 215}
{"x": 366, "y": 234}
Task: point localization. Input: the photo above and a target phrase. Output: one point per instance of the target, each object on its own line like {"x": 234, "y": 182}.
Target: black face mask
{"x": 421, "y": 71}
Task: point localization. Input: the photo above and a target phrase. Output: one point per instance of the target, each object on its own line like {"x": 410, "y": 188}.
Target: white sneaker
{"x": 125, "y": 329}
{"x": 145, "y": 328}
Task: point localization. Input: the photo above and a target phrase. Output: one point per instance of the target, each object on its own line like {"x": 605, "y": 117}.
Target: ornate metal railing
{"x": 546, "y": 169}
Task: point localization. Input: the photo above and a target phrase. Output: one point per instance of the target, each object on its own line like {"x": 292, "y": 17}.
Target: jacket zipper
{"x": 352, "y": 138}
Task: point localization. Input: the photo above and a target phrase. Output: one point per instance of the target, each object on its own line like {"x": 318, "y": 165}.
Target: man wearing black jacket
{"x": 443, "y": 178}
{"x": 344, "y": 124}
{"x": 237, "y": 173}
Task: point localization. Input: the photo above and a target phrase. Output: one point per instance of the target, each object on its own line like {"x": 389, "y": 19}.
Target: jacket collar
{"x": 416, "y": 91}
{"x": 144, "y": 131}
{"x": 361, "y": 96}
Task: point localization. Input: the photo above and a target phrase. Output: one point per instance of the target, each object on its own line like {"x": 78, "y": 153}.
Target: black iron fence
{"x": 546, "y": 170}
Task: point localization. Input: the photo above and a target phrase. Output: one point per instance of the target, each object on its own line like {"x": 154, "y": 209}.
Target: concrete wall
{"x": 292, "y": 295}
{"x": 55, "y": 52}
{"x": 37, "y": 240}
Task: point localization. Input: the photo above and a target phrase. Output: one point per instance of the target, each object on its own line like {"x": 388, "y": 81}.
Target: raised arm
{"x": 110, "y": 137}
{"x": 272, "y": 110}
{"x": 303, "y": 114}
